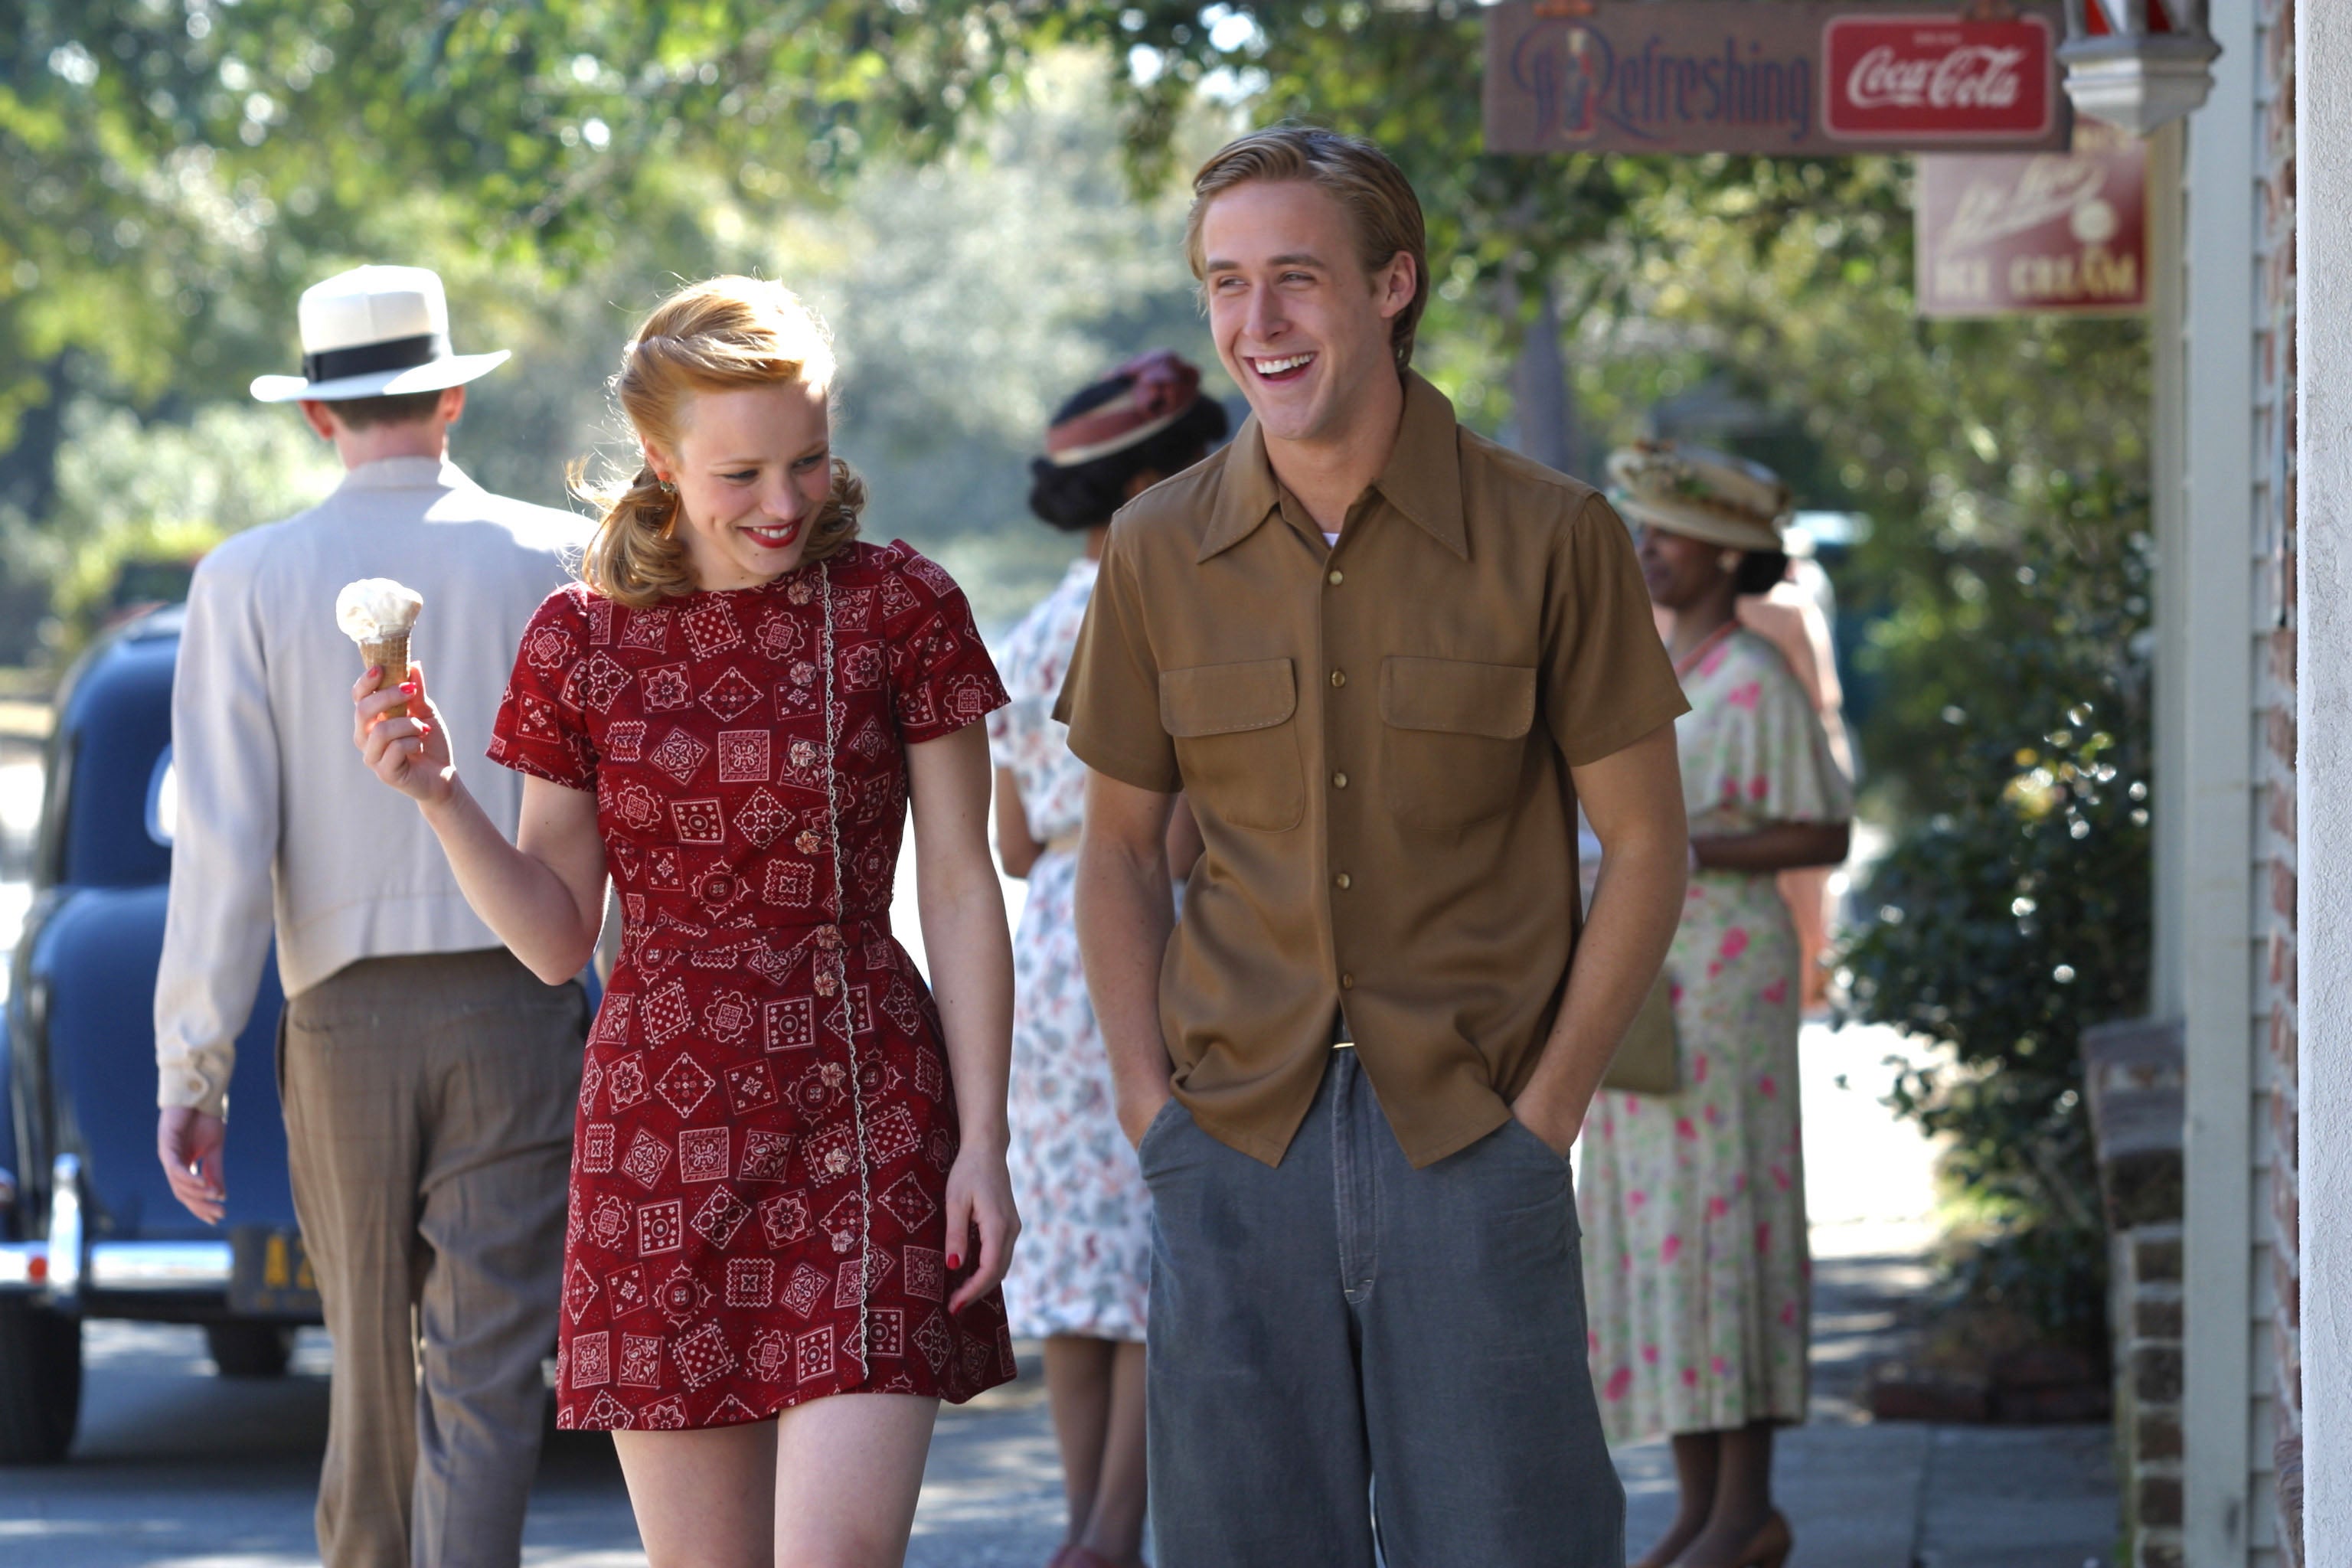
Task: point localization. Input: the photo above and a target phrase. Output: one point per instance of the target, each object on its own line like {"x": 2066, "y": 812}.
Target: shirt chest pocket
{"x": 1237, "y": 744}
{"x": 1453, "y": 738}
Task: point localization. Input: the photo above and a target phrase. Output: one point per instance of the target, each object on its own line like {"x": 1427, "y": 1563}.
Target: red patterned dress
{"x": 766, "y": 1120}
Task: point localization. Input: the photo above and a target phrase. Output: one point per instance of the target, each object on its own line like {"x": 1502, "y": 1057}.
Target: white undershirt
{"x": 1330, "y": 539}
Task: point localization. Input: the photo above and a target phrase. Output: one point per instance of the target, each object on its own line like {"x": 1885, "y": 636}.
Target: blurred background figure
{"x": 1795, "y": 615}
{"x": 1693, "y": 1203}
{"x": 1079, "y": 1275}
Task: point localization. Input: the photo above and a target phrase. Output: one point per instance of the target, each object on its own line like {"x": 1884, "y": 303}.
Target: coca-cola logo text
{"x": 1919, "y": 78}
{"x": 1974, "y": 77}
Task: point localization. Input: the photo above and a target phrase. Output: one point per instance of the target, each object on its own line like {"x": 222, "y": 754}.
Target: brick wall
{"x": 2132, "y": 1074}
{"x": 2275, "y": 835}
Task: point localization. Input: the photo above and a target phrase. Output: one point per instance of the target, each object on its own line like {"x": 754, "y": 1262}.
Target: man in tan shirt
{"x": 1385, "y": 660}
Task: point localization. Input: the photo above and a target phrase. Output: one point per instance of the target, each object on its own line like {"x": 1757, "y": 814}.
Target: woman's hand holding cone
{"x": 411, "y": 755}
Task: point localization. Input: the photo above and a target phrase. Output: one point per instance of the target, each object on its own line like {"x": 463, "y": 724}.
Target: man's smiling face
{"x": 1298, "y": 323}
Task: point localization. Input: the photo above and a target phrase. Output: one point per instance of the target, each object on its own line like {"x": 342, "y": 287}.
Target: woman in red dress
{"x": 788, "y": 1176}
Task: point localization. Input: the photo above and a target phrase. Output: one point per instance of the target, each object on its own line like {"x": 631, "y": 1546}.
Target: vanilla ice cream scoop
{"x": 378, "y": 614}
{"x": 376, "y": 607}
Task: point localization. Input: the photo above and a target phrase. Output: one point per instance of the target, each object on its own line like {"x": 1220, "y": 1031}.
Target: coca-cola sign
{"x": 1787, "y": 76}
{"x": 1909, "y": 80}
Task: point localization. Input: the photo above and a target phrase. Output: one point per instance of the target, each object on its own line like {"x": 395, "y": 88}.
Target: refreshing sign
{"x": 1737, "y": 76}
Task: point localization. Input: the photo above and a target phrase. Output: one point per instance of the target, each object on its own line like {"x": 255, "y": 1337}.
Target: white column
{"x": 2208, "y": 574}
{"x": 2323, "y": 243}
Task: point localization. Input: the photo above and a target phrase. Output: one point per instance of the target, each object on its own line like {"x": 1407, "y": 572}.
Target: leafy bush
{"x": 2016, "y": 912}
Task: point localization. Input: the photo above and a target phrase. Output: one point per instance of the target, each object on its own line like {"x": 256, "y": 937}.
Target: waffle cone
{"x": 392, "y": 653}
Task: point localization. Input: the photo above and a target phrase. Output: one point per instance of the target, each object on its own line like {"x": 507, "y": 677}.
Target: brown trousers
{"x": 428, "y": 1127}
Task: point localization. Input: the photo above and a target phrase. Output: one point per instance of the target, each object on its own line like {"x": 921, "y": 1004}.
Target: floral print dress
{"x": 1085, "y": 1256}
{"x": 766, "y": 1118}
{"x": 1692, "y": 1205}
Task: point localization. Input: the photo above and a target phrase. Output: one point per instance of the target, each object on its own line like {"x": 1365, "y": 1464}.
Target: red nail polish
{"x": 408, "y": 689}
{"x": 953, "y": 1262}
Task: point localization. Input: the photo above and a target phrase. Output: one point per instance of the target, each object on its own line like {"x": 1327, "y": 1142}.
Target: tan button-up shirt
{"x": 1375, "y": 738}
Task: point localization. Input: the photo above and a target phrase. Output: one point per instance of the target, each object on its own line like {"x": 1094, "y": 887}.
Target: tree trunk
{"x": 1543, "y": 418}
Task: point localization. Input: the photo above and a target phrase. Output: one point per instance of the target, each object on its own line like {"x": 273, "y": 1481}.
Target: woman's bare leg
{"x": 1743, "y": 1498}
{"x": 1696, "y": 1458}
{"x": 848, "y": 1471}
{"x": 1078, "y": 1393}
{"x": 705, "y": 1499}
{"x": 1114, "y": 1526}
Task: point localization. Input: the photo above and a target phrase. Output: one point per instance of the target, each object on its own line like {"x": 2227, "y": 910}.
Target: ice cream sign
{"x": 1735, "y": 76}
{"x": 2042, "y": 232}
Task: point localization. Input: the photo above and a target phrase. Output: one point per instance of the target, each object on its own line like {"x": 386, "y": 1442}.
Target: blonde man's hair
{"x": 712, "y": 336}
{"x": 1373, "y": 191}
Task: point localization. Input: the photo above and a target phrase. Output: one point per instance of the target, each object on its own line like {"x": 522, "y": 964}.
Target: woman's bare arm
{"x": 1775, "y": 847}
{"x": 1015, "y": 845}
{"x": 544, "y": 896}
{"x": 962, "y": 911}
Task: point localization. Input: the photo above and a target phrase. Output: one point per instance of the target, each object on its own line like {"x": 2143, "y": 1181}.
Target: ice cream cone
{"x": 391, "y": 651}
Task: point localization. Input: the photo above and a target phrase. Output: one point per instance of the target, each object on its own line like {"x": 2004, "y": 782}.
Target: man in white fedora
{"x": 428, "y": 1079}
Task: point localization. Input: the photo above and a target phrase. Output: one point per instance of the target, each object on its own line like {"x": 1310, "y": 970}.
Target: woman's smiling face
{"x": 754, "y": 467}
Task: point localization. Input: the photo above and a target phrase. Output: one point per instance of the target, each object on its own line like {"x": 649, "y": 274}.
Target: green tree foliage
{"x": 2005, "y": 922}
{"x": 173, "y": 171}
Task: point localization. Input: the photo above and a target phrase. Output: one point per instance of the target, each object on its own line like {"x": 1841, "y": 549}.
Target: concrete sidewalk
{"x": 175, "y": 1466}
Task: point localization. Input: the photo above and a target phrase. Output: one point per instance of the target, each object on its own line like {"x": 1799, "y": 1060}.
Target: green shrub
{"x": 2016, "y": 912}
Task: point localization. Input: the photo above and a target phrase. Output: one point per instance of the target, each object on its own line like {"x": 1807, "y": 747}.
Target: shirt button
{"x": 1338, "y": 678}
{"x": 1338, "y": 781}
{"x": 1346, "y": 983}
{"x": 1343, "y": 881}
{"x": 1338, "y": 578}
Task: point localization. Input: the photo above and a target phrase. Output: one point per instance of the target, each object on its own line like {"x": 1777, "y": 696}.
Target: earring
{"x": 1729, "y": 561}
{"x": 667, "y": 489}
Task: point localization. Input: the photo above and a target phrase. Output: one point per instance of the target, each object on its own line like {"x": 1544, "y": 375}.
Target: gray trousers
{"x": 1342, "y": 1336}
{"x": 429, "y": 1106}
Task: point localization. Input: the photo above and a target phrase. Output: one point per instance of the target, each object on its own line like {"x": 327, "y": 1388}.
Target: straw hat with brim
{"x": 1699, "y": 494}
{"x": 375, "y": 332}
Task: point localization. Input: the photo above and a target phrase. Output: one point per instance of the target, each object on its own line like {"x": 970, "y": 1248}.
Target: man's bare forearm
{"x": 1633, "y": 798}
{"x": 1126, "y": 913}
{"x": 1636, "y": 905}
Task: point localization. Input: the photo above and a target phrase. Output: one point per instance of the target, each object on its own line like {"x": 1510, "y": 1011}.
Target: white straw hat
{"x": 1700, "y": 493}
{"x": 375, "y": 332}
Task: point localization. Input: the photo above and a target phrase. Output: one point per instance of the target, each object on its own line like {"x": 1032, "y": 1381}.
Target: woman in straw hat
{"x": 1693, "y": 1203}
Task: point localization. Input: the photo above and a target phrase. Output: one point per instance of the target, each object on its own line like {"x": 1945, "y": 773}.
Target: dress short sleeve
{"x": 1110, "y": 698}
{"x": 941, "y": 677}
{"x": 1607, "y": 680}
{"x": 543, "y": 728}
{"x": 1757, "y": 751}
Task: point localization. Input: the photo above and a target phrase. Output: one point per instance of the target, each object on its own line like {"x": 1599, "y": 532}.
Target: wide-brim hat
{"x": 1699, "y": 493}
{"x": 375, "y": 332}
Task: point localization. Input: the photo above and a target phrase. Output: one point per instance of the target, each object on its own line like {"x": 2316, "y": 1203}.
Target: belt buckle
{"x": 1341, "y": 1035}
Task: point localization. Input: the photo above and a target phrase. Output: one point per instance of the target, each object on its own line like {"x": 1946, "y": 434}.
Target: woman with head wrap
{"x": 1693, "y": 1202}
{"x": 1080, "y": 1273}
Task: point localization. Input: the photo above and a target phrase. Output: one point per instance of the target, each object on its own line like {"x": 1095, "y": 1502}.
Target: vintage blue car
{"x": 88, "y": 1228}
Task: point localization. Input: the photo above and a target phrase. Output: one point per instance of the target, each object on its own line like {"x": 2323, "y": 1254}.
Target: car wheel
{"x": 249, "y": 1349}
{"x": 40, "y": 1383}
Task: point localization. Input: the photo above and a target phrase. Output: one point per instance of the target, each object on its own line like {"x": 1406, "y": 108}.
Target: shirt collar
{"x": 407, "y": 474}
{"x": 1422, "y": 479}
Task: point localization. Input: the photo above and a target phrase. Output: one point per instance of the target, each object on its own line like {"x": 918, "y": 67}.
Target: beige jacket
{"x": 278, "y": 818}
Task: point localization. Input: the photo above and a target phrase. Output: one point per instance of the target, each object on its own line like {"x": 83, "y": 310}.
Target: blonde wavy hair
{"x": 712, "y": 336}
